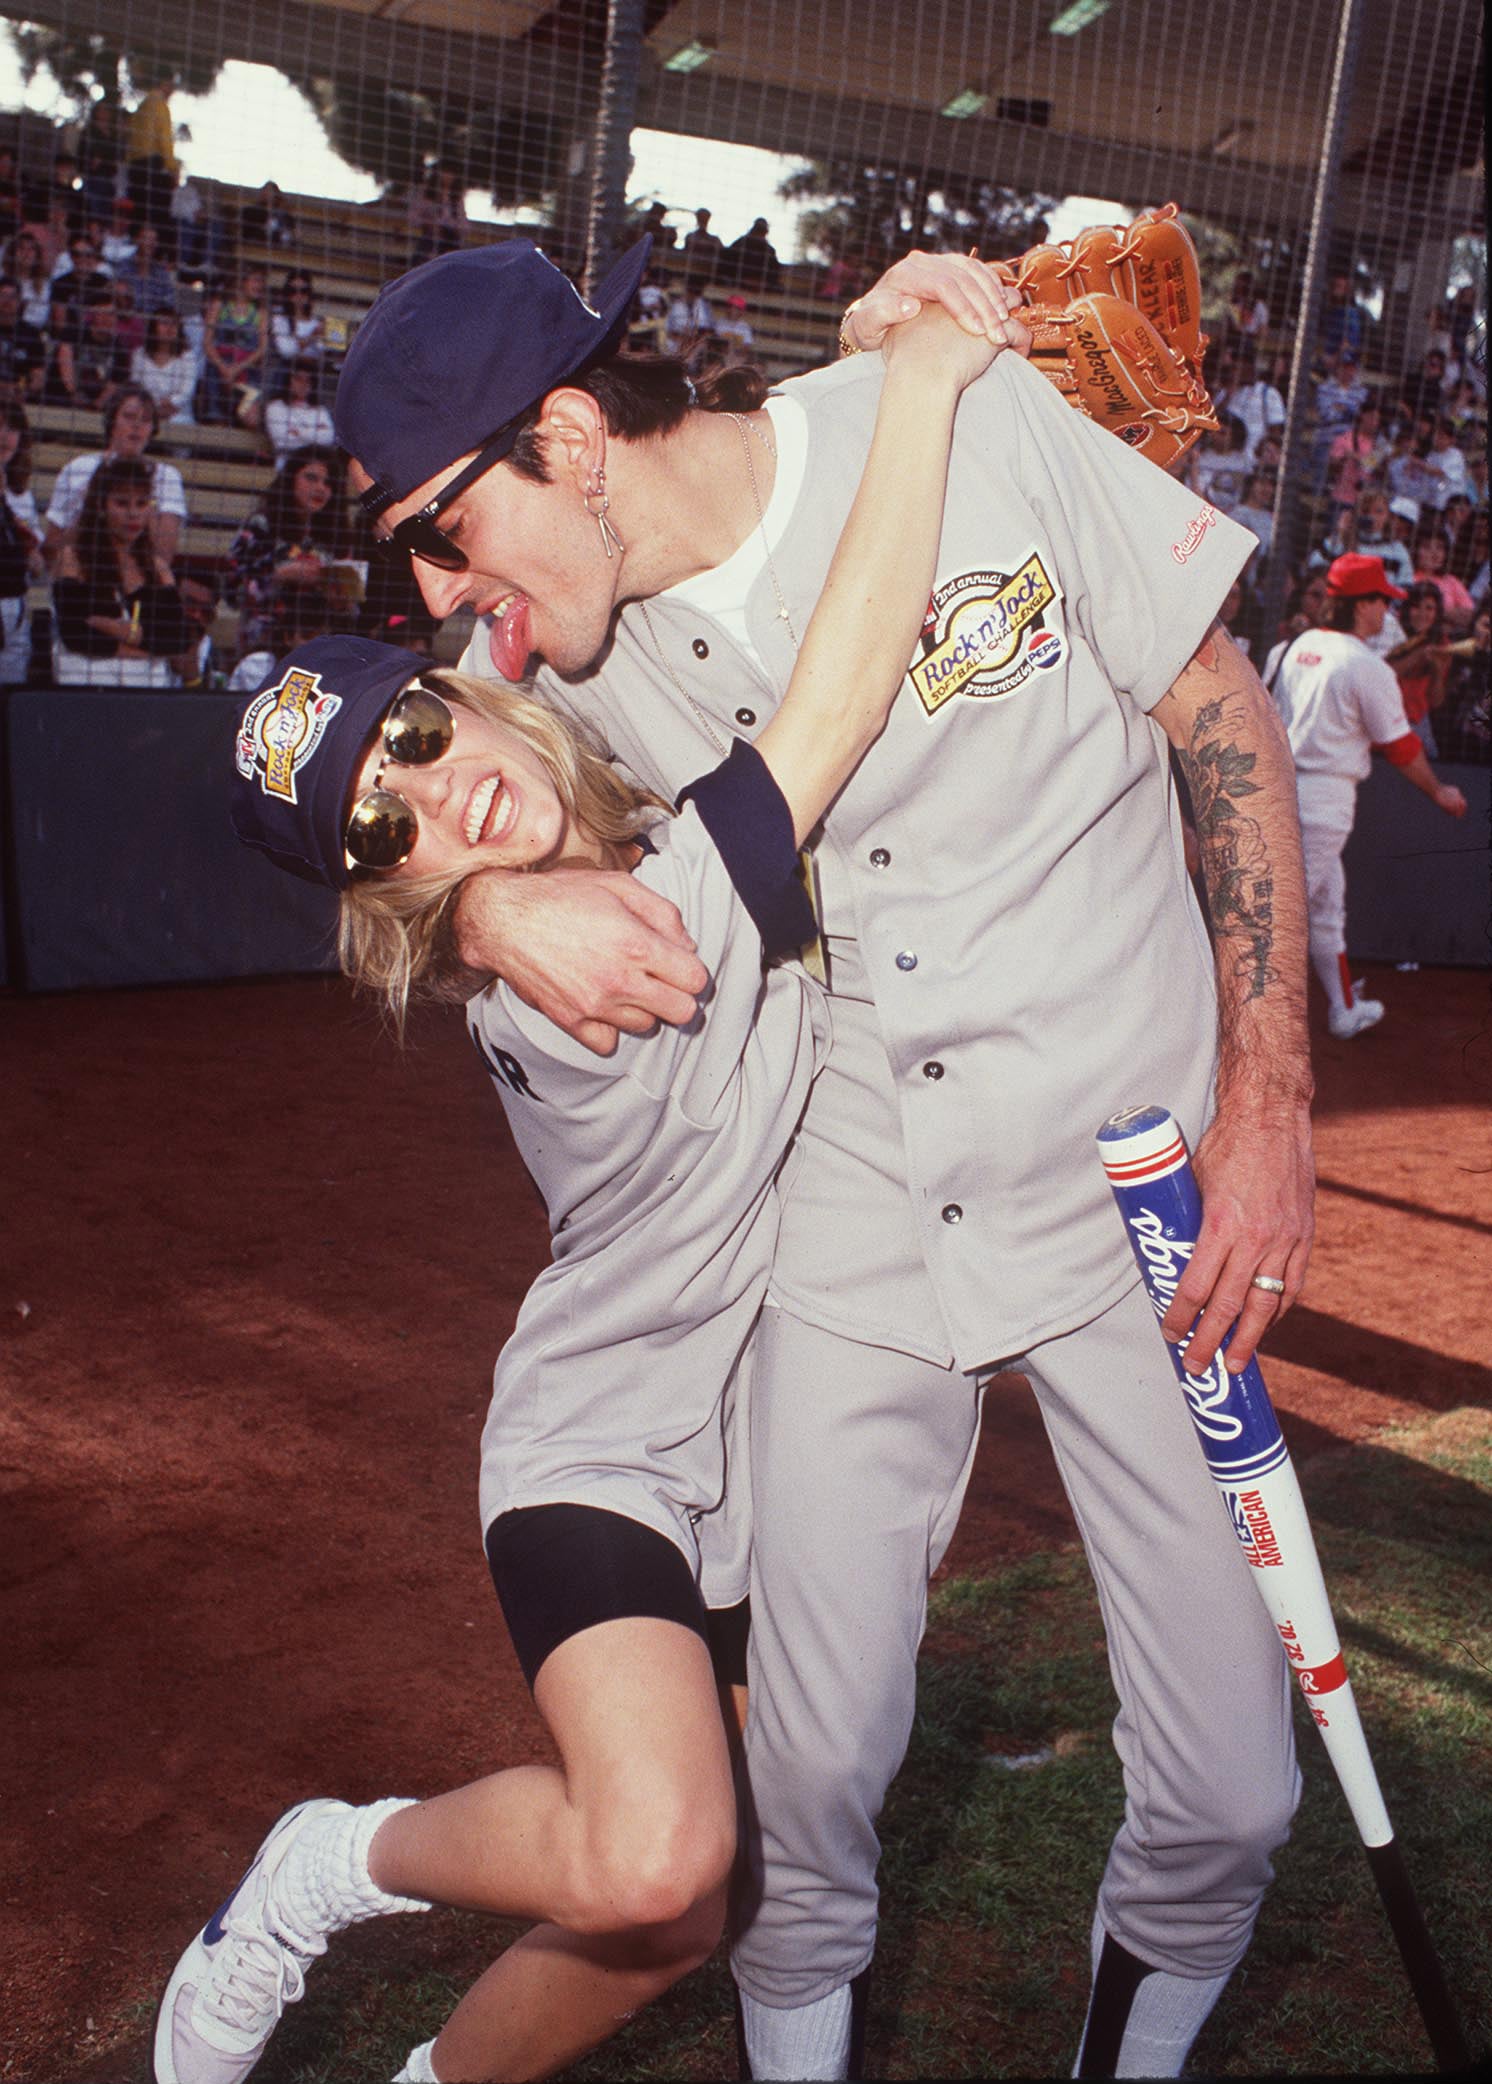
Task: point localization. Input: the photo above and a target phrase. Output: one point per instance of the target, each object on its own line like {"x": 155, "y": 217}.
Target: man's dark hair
{"x": 642, "y": 395}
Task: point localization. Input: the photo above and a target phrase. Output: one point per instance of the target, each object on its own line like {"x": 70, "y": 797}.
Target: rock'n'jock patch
{"x": 282, "y": 729}
{"x": 980, "y": 635}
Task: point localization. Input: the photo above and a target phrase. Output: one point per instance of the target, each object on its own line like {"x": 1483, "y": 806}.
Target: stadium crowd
{"x": 122, "y": 292}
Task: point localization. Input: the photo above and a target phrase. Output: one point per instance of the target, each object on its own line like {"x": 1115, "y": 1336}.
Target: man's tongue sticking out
{"x": 508, "y": 640}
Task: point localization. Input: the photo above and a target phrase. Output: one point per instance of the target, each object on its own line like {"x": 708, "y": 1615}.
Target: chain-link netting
{"x": 201, "y": 200}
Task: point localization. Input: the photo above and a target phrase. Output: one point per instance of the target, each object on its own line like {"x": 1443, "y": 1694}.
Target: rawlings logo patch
{"x": 982, "y": 635}
{"x": 282, "y": 729}
{"x": 1194, "y": 535}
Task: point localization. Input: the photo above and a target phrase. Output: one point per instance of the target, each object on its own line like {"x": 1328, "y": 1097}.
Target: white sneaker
{"x": 229, "y": 1988}
{"x": 1353, "y": 1019}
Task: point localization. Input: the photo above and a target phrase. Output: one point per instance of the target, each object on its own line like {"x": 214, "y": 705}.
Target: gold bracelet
{"x": 848, "y": 344}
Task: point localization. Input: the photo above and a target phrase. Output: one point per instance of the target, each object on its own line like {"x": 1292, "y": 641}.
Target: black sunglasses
{"x": 417, "y": 535}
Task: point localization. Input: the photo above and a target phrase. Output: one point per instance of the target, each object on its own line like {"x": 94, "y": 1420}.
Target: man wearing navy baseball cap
{"x": 1014, "y": 953}
{"x": 1341, "y": 704}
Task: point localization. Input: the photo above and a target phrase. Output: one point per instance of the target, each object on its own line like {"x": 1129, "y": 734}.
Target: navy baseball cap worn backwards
{"x": 454, "y": 354}
{"x": 300, "y": 744}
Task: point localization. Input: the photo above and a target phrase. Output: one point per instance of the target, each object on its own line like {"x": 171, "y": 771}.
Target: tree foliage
{"x": 515, "y": 155}
{"x": 878, "y": 213}
{"x": 92, "y": 67}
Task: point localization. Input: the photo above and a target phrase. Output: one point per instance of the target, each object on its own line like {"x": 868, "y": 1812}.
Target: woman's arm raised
{"x": 865, "y": 626}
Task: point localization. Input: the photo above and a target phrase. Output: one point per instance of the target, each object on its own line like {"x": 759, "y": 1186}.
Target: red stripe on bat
{"x": 1324, "y": 1678}
{"x": 1129, "y": 1171}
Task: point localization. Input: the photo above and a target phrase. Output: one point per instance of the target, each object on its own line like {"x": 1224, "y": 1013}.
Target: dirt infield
{"x": 259, "y": 1265}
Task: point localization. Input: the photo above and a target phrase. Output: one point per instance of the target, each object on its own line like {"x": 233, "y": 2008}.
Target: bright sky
{"x": 254, "y": 126}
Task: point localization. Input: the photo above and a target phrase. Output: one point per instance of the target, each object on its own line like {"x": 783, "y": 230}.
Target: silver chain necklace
{"x": 743, "y": 428}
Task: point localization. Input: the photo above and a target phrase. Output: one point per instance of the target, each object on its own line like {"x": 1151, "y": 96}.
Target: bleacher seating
{"x": 350, "y": 250}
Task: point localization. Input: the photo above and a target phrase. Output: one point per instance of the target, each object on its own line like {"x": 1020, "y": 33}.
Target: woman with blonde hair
{"x": 613, "y": 1497}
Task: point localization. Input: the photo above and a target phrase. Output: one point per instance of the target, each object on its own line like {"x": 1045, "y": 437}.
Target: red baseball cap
{"x": 1354, "y": 577}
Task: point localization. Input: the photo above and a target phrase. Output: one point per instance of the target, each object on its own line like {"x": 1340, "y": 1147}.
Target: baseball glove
{"x": 1115, "y": 320}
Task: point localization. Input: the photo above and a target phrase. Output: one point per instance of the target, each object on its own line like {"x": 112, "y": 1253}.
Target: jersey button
{"x": 701, "y": 648}
{"x": 879, "y": 858}
{"x": 934, "y": 1071}
{"x": 952, "y": 1213}
{"x": 745, "y": 716}
{"x": 906, "y": 960}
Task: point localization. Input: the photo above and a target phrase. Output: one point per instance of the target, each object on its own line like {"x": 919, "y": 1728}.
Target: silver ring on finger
{"x": 1268, "y": 1283}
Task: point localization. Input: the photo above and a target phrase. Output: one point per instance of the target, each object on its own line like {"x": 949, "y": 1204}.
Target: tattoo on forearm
{"x": 1235, "y": 859}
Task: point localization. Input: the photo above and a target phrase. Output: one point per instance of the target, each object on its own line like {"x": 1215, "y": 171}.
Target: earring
{"x": 610, "y": 540}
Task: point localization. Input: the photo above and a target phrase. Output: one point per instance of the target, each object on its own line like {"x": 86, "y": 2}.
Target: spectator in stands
{"x": 1407, "y": 473}
{"x": 152, "y": 167}
{"x": 1453, "y": 517}
{"x": 412, "y": 628}
{"x": 1447, "y": 463}
{"x": 1463, "y": 726}
{"x": 1340, "y": 397}
{"x": 23, "y": 351}
{"x": 63, "y": 192}
{"x": 1356, "y": 454}
{"x": 118, "y": 615}
{"x": 649, "y": 323}
{"x": 91, "y": 367}
{"x": 1219, "y": 465}
{"x": 153, "y": 283}
{"x": 296, "y": 421}
{"x": 1421, "y": 659}
{"x": 1423, "y": 389}
{"x": 845, "y": 278}
{"x": 298, "y": 330}
{"x": 752, "y": 259}
{"x": 1257, "y": 403}
{"x": 27, "y": 263}
{"x": 236, "y": 346}
{"x": 100, "y": 160}
{"x": 80, "y": 270}
{"x": 129, "y": 427}
{"x": 266, "y": 221}
{"x": 1469, "y": 552}
{"x": 290, "y": 543}
{"x": 1305, "y": 609}
{"x": 131, "y": 327}
{"x": 734, "y": 332}
{"x": 1344, "y": 323}
{"x": 1369, "y": 530}
{"x": 120, "y": 241}
{"x": 1255, "y": 512}
{"x": 197, "y": 235}
{"x": 1247, "y": 315}
{"x": 690, "y": 319}
{"x": 166, "y": 368}
{"x": 437, "y": 213}
{"x": 306, "y": 612}
{"x": 1432, "y": 554}
{"x": 703, "y": 253}
{"x": 651, "y": 225}
{"x": 20, "y": 544}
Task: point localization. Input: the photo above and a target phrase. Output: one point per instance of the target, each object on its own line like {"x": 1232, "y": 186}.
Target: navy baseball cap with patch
{"x": 453, "y": 354}
{"x": 300, "y": 744}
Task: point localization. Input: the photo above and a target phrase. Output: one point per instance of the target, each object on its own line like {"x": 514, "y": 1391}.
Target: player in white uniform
{"x": 610, "y": 1526}
{"x": 1340, "y": 703}
{"x": 1014, "y": 953}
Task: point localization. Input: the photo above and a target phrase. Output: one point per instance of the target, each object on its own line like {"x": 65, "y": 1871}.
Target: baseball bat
{"x": 1145, "y": 1157}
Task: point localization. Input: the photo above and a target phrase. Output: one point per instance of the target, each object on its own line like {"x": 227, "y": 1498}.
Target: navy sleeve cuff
{"x": 746, "y": 815}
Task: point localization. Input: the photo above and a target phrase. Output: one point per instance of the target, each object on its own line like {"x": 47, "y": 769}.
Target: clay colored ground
{"x": 258, "y": 1265}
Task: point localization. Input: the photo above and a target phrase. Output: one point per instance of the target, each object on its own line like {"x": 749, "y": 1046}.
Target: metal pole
{"x": 1293, "y": 447}
{"x": 611, "y": 142}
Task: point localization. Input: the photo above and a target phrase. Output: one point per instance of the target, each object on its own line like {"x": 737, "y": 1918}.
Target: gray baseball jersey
{"x": 657, "y": 1167}
{"x": 1015, "y": 949}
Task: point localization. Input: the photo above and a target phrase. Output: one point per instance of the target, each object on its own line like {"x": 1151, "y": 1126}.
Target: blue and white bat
{"x": 1145, "y": 1157}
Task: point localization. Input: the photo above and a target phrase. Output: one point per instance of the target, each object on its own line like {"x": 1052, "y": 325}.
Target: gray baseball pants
{"x": 860, "y": 1459}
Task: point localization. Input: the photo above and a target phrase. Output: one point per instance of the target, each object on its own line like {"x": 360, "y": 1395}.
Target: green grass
{"x": 989, "y": 1874}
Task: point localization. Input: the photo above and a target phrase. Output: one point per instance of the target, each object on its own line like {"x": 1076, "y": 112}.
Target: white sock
{"x": 810, "y": 2041}
{"x": 325, "y": 1885}
{"x": 1168, "y": 2013}
{"x": 1331, "y": 968}
{"x": 419, "y": 2069}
